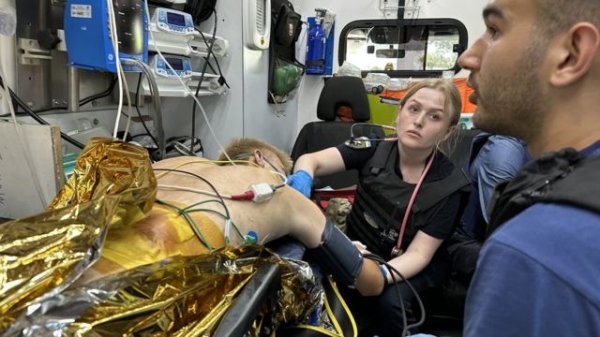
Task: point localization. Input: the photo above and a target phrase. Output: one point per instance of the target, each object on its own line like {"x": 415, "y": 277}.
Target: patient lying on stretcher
{"x": 194, "y": 192}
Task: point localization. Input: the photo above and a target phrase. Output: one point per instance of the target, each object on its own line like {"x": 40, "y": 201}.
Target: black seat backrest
{"x": 343, "y": 91}
{"x": 337, "y": 92}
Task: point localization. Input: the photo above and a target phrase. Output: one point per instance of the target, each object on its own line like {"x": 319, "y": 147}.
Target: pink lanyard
{"x": 396, "y": 251}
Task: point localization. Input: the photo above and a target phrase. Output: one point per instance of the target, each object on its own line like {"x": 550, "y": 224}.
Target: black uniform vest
{"x": 382, "y": 197}
{"x": 564, "y": 177}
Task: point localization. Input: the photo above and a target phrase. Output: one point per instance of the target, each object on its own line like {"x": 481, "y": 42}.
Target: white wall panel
{"x": 273, "y": 123}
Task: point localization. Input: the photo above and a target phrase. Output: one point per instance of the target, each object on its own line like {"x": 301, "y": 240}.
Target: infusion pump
{"x": 172, "y": 31}
{"x": 181, "y": 64}
{"x": 168, "y": 81}
{"x": 174, "y": 35}
{"x": 173, "y": 21}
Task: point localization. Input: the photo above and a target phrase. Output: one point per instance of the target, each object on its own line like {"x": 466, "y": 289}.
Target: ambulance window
{"x": 417, "y": 48}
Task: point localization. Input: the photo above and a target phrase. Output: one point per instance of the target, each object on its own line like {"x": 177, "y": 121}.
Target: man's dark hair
{"x": 554, "y": 16}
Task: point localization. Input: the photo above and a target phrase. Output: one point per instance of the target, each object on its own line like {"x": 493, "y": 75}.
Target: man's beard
{"x": 512, "y": 103}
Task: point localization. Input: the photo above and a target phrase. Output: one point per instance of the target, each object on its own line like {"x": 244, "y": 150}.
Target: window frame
{"x": 463, "y": 42}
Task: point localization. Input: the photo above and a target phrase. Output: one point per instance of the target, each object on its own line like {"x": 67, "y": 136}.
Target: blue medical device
{"x": 88, "y": 37}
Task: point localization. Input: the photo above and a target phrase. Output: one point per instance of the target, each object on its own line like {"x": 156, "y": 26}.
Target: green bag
{"x": 286, "y": 77}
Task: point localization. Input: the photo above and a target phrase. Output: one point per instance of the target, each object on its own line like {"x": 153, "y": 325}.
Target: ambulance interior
{"x": 184, "y": 78}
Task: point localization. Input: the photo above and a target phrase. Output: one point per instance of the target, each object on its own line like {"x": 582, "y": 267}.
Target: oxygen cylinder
{"x": 315, "y": 52}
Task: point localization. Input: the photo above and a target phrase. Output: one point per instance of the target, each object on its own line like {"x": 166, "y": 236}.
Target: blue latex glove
{"x": 301, "y": 181}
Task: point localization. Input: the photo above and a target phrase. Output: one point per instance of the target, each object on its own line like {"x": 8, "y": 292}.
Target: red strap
{"x": 412, "y": 201}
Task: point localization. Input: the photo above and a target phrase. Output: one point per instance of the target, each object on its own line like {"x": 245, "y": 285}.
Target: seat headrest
{"x": 343, "y": 91}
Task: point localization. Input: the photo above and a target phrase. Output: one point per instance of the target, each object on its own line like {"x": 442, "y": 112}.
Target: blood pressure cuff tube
{"x": 337, "y": 255}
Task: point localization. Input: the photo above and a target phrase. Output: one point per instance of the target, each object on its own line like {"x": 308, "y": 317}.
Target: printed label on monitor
{"x": 81, "y": 11}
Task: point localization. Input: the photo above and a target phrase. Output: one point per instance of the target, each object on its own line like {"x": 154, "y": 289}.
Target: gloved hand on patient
{"x": 301, "y": 181}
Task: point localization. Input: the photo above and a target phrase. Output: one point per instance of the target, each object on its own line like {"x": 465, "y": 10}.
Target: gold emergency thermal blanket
{"x": 107, "y": 167}
{"x": 113, "y": 185}
{"x": 42, "y": 254}
{"x": 185, "y": 296}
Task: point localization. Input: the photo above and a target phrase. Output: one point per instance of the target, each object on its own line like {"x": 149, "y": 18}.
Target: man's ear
{"x": 574, "y": 54}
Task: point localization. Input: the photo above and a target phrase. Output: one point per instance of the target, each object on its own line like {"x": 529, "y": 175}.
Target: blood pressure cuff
{"x": 337, "y": 255}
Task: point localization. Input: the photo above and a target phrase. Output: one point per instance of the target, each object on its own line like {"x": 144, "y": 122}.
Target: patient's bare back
{"x": 225, "y": 181}
{"x": 203, "y": 192}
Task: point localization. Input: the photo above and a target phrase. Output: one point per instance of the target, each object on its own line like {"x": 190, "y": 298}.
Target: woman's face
{"x": 422, "y": 123}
